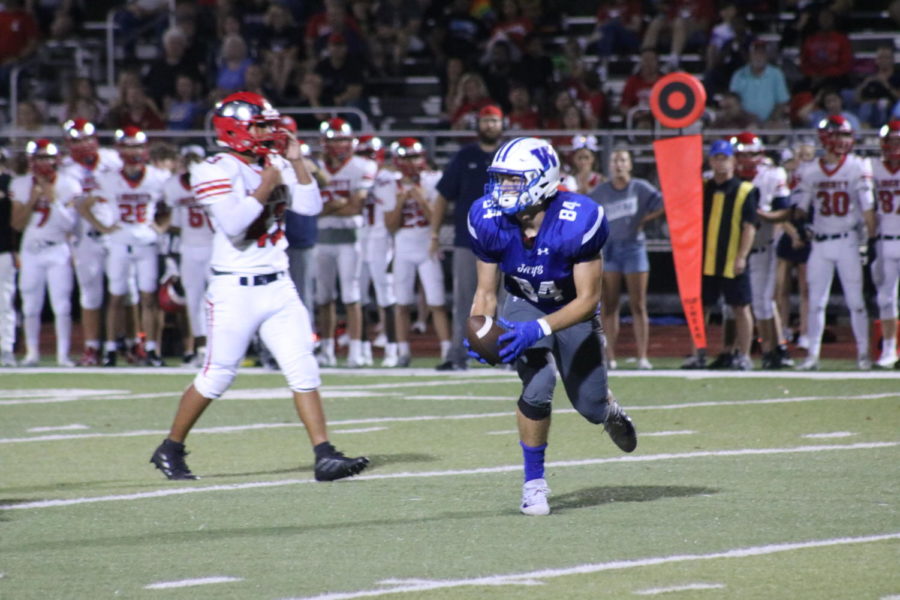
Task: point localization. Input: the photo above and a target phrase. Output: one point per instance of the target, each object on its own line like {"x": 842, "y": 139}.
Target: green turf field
{"x": 744, "y": 486}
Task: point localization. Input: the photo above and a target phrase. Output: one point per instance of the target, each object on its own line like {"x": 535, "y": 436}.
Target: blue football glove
{"x": 472, "y": 353}
{"x": 519, "y": 336}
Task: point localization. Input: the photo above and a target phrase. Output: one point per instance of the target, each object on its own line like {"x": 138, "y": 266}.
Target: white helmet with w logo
{"x": 535, "y": 163}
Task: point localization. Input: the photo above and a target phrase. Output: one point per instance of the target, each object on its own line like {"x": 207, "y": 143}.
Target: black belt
{"x": 889, "y": 237}
{"x": 253, "y": 280}
{"x": 831, "y": 236}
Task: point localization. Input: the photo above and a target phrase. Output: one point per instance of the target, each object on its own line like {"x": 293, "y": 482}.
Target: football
{"x": 482, "y": 333}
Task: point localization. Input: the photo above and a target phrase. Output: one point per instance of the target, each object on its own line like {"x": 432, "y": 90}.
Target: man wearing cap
{"x": 729, "y": 228}
{"x": 462, "y": 183}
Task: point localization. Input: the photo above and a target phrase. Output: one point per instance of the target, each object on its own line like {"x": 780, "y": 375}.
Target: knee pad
{"x": 533, "y": 412}
{"x": 214, "y": 380}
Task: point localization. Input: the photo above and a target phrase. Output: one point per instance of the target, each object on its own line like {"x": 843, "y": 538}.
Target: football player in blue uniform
{"x": 546, "y": 243}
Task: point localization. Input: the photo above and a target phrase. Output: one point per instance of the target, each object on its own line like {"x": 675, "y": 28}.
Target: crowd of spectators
{"x": 515, "y": 53}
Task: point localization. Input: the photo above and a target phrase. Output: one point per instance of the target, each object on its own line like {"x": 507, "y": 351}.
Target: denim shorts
{"x": 625, "y": 256}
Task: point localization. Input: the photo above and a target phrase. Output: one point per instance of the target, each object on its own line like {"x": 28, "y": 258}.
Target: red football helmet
{"x": 236, "y": 114}
{"x": 132, "y": 145}
{"x": 337, "y": 139}
{"x": 836, "y": 134}
{"x": 409, "y": 156}
{"x": 43, "y": 157}
{"x": 288, "y": 122}
{"x": 171, "y": 296}
{"x": 371, "y": 147}
{"x": 82, "y": 141}
{"x": 748, "y": 156}
{"x": 890, "y": 140}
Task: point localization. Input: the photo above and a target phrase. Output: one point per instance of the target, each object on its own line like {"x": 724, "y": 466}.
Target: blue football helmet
{"x": 535, "y": 162}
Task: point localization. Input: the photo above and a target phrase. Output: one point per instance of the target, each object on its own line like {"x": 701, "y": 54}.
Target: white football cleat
{"x": 863, "y": 363}
{"x": 326, "y": 360}
{"x": 391, "y": 357}
{"x": 810, "y": 364}
{"x": 644, "y": 364}
{"x": 30, "y": 361}
{"x": 64, "y": 362}
{"x": 8, "y": 359}
{"x": 887, "y": 361}
{"x": 534, "y": 498}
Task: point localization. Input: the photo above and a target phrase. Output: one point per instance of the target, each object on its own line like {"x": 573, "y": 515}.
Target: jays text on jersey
{"x": 573, "y": 231}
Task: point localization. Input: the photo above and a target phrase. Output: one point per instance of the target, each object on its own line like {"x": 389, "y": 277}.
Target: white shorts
{"x": 236, "y": 312}
{"x": 418, "y": 260}
{"x": 142, "y": 258}
{"x": 338, "y": 262}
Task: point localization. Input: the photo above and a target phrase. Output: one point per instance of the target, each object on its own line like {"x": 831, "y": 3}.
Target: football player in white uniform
{"x": 412, "y": 198}
{"x": 86, "y": 162}
{"x": 886, "y": 267}
{"x": 836, "y": 191}
{"x": 339, "y": 252}
{"x": 378, "y": 252}
{"x": 246, "y": 191}
{"x": 44, "y": 209}
{"x": 131, "y": 239}
{"x": 774, "y": 207}
{"x": 194, "y": 231}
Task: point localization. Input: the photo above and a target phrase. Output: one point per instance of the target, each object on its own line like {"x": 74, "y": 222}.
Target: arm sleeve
{"x": 212, "y": 188}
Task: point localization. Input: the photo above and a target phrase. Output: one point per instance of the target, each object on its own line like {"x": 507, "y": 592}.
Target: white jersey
{"x": 887, "y": 198}
{"x": 357, "y": 173}
{"x": 260, "y": 248}
{"x": 52, "y": 220}
{"x": 378, "y": 203}
{"x": 187, "y": 214}
{"x": 415, "y": 230}
{"x": 836, "y": 195}
{"x": 771, "y": 181}
{"x": 134, "y": 204}
{"x": 108, "y": 162}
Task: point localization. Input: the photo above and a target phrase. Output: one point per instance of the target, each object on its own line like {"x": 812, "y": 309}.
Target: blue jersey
{"x": 573, "y": 231}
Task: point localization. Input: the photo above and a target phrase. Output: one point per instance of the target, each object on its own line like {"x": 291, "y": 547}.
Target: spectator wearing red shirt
{"x": 333, "y": 19}
{"x": 19, "y": 37}
{"x": 826, "y": 56}
{"x": 522, "y": 114}
{"x": 637, "y": 87}
{"x": 512, "y": 27}
{"x": 136, "y": 109}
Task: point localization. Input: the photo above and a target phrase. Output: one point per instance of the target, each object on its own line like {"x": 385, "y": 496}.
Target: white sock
{"x": 150, "y": 346}
{"x": 355, "y": 349}
{"x": 445, "y": 349}
{"x": 93, "y": 344}
{"x": 888, "y": 347}
{"x": 403, "y": 348}
{"x": 32, "y": 326}
{"x": 63, "y": 326}
{"x": 109, "y": 346}
{"x": 328, "y": 346}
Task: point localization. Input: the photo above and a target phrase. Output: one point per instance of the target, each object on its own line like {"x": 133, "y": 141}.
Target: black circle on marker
{"x": 690, "y": 99}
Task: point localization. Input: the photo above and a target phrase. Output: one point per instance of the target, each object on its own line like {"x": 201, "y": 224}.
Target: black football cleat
{"x": 723, "y": 361}
{"x": 337, "y": 466}
{"x": 153, "y": 359}
{"x": 449, "y": 365}
{"x": 169, "y": 458}
{"x": 109, "y": 359}
{"x": 620, "y": 428}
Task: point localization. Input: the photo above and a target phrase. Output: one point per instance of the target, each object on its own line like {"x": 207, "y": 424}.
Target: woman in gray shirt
{"x": 629, "y": 203}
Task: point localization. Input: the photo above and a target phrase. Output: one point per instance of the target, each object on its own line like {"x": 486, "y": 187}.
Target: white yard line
{"x": 687, "y": 587}
{"x": 825, "y": 436}
{"x": 72, "y": 427}
{"x": 176, "y": 491}
{"x": 462, "y": 417}
{"x": 666, "y": 433}
{"x": 182, "y": 583}
{"x": 421, "y": 585}
{"x": 360, "y": 430}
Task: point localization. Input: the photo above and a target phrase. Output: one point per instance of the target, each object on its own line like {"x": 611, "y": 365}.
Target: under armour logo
{"x": 543, "y": 251}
